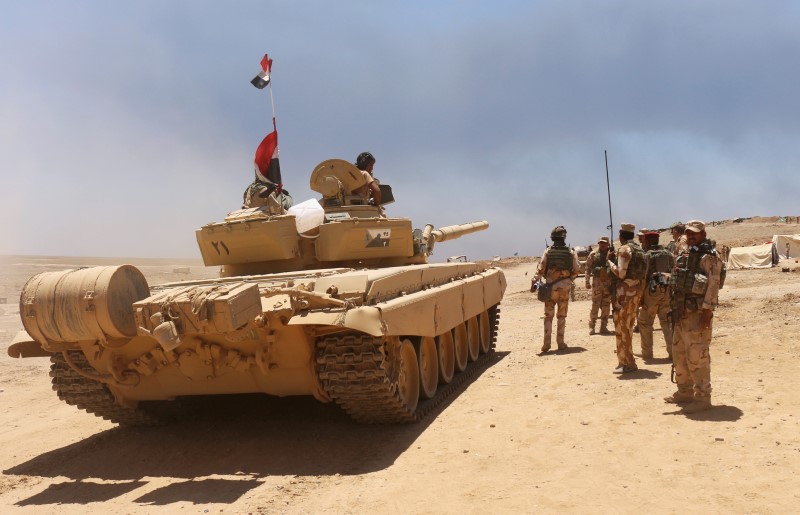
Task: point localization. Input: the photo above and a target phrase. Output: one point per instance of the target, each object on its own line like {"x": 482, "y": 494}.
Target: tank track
{"x": 93, "y": 396}
{"x": 353, "y": 372}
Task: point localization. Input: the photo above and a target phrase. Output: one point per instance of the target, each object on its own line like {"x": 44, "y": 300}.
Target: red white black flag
{"x": 262, "y": 79}
{"x": 268, "y": 168}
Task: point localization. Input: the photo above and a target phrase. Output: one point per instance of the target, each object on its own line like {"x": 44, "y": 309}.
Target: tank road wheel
{"x": 403, "y": 368}
{"x": 485, "y": 332}
{"x": 375, "y": 380}
{"x": 447, "y": 358}
{"x": 474, "y": 338}
{"x": 461, "y": 346}
{"x": 428, "y": 367}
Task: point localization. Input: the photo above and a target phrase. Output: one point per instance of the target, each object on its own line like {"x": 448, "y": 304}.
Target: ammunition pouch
{"x": 657, "y": 280}
{"x": 544, "y": 292}
{"x": 687, "y": 283}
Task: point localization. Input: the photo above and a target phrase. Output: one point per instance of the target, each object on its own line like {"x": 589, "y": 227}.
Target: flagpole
{"x": 272, "y": 101}
{"x": 274, "y": 125}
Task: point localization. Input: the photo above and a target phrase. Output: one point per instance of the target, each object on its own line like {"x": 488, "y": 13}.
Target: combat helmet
{"x": 558, "y": 233}
{"x": 364, "y": 159}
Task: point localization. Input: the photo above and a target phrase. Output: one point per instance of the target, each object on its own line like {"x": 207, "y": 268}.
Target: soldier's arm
{"x": 540, "y": 269}
{"x": 589, "y": 269}
{"x": 376, "y": 192}
{"x": 620, "y": 268}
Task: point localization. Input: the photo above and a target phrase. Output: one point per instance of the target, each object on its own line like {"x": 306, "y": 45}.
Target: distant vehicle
{"x": 457, "y": 259}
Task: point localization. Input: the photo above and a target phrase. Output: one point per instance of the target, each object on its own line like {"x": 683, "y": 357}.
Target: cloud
{"x": 126, "y": 127}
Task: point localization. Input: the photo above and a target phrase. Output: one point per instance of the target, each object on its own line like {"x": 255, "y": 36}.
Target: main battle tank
{"x": 347, "y": 310}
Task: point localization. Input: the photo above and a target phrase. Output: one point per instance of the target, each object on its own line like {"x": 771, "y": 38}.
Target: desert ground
{"x": 531, "y": 434}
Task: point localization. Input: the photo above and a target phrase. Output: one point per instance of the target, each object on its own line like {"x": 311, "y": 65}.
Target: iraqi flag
{"x": 268, "y": 168}
{"x": 262, "y": 79}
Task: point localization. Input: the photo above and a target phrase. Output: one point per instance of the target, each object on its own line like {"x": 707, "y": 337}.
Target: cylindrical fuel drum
{"x": 84, "y": 304}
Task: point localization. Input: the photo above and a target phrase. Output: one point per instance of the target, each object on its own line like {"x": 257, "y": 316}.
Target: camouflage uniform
{"x": 629, "y": 272}
{"x": 261, "y": 194}
{"x": 677, "y": 245}
{"x": 655, "y": 300}
{"x": 597, "y": 276}
{"x": 691, "y": 343}
{"x": 561, "y": 277}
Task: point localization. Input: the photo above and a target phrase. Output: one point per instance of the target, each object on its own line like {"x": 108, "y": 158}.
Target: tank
{"x": 333, "y": 300}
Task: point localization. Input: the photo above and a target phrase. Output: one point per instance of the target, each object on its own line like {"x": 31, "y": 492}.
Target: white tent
{"x": 782, "y": 240}
{"x": 757, "y": 256}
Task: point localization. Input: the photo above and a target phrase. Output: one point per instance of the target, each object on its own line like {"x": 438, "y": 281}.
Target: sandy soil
{"x": 551, "y": 433}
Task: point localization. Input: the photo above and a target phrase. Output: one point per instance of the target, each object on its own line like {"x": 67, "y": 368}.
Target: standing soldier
{"x": 560, "y": 267}
{"x": 629, "y": 272}
{"x": 655, "y": 300}
{"x": 598, "y": 280}
{"x": 694, "y": 284}
{"x": 678, "y": 242}
{"x": 640, "y": 237}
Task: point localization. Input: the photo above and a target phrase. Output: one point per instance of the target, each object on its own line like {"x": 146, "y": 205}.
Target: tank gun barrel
{"x": 451, "y": 232}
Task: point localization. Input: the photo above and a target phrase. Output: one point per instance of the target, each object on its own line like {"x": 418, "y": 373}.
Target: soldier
{"x": 629, "y": 273}
{"x": 598, "y": 280}
{"x": 365, "y": 162}
{"x": 655, "y": 300}
{"x": 560, "y": 267}
{"x": 639, "y": 236}
{"x": 678, "y": 242}
{"x": 265, "y": 194}
{"x": 694, "y": 285}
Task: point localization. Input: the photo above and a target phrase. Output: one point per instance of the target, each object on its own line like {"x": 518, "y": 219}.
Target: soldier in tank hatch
{"x": 366, "y": 162}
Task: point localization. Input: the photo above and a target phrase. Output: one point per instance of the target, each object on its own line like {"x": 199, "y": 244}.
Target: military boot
{"x": 680, "y": 397}
{"x": 591, "y": 328}
{"x": 604, "y": 327}
{"x": 699, "y": 404}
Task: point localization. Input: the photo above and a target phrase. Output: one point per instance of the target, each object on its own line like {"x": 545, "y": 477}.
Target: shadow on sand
{"x": 642, "y": 373}
{"x": 568, "y": 350}
{"x": 253, "y": 436}
{"x": 718, "y": 413}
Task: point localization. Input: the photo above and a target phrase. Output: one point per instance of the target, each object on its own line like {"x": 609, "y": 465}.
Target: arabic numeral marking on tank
{"x": 218, "y": 244}
{"x": 378, "y": 237}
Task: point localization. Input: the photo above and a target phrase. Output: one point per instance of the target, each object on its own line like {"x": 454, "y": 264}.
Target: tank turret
{"x": 342, "y": 229}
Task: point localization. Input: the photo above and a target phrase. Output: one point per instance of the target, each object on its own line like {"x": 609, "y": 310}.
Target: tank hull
{"x": 376, "y": 341}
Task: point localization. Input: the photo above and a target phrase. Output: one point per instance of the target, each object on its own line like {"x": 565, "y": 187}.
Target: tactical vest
{"x": 599, "y": 261}
{"x": 253, "y": 195}
{"x": 688, "y": 278}
{"x": 659, "y": 260}
{"x": 637, "y": 267}
{"x": 559, "y": 258}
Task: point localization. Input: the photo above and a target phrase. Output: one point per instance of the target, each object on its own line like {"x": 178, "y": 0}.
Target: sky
{"x": 126, "y": 126}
